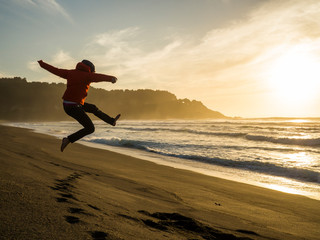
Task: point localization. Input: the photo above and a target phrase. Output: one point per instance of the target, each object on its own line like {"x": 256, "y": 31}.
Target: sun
{"x": 295, "y": 75}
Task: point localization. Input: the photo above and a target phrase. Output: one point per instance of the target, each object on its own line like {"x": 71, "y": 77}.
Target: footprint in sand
{"x": 65, "y": 187}
{"x": 62, "y": 200}
{"x": 176, "y": 221}
{"x": 97, "y": 235}
{"x": 72, "y": 219}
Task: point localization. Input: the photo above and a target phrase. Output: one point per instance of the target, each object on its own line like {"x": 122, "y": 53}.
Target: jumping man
{"x": 78, "y": 83}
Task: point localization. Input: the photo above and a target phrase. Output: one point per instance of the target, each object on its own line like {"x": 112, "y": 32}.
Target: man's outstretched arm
{"x": 56, "y": 71}
{"x": 97, "y": 77}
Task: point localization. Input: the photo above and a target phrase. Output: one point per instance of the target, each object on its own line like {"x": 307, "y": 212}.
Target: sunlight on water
{"x": 300, "y": 159}
{"x": 283, "y": 189}
{"x": 299, "y": 121}
{"x": 286, "y": 185}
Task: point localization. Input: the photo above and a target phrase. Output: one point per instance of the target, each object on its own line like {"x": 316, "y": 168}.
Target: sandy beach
{"x": 88, "y": 193}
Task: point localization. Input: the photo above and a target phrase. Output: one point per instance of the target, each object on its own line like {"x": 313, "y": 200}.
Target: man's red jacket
{"x": 78, "y": 80}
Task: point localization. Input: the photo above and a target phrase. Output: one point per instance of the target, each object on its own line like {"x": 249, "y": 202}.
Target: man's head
{"x": 90, "y": 64}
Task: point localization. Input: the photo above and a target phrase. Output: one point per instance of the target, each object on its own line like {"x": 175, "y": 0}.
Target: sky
{"x": 246, "y": 58}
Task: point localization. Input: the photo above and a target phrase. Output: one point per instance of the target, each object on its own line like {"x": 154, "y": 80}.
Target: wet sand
{"x": 88, "y": 193}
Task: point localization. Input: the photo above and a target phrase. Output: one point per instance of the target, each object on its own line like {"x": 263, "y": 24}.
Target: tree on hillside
{"x": 35, "y": 101}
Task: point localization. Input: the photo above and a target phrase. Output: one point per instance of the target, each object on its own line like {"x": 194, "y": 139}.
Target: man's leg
{"x": 91, "y": 108}
{"x": 79, "y": 114}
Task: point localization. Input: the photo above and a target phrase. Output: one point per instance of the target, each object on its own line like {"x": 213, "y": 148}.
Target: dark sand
{"x": 88, "y": 193}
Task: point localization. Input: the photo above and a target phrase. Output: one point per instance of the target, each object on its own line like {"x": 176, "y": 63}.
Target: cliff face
{"x": 23, "y": 101}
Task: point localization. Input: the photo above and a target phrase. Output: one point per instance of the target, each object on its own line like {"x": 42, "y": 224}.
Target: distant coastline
{"x": 283, "y": 118}
{"x": 36, "y": 101}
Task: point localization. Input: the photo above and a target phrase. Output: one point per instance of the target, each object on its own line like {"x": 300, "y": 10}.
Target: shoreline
{"x": 274, "y": 182}
{"x": 89, "y": 193}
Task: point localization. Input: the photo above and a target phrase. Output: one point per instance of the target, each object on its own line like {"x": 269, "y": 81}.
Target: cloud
{"x": 34, "y": 66}
{"x": 240, "y": 44}
{"x": 113, "y": 48}
{"x": 272, "y": 25}
{"x": 123, "y": 53}
{"x": 61, "y": 59}
{"x": 115, "y": 38}
{"x": 49, "y": 6}
{"x": 225, "y": 64}
{"x": 4, "y": 75}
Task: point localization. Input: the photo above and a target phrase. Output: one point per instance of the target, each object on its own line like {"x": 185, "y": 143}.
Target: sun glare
{"x": 295, "y": 75}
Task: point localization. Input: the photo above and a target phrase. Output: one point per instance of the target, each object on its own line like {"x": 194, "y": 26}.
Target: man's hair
{"x": 90, "y": 64}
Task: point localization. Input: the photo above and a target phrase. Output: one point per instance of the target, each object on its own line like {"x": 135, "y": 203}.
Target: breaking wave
{"x": 255, "y": 166}
{"x": 288, "y": 141}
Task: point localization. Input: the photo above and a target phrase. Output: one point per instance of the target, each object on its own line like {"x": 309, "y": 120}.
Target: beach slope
{"x": 88, "y": 193}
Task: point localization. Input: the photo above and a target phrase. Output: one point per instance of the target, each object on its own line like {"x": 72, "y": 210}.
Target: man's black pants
{"x": 78, "y": 112}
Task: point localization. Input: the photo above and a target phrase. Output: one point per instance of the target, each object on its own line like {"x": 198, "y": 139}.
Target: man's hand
{"x": 114, "y": 80}
{"x": 40, "y": 62}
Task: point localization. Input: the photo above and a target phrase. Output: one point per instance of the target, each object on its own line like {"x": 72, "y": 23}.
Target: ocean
{"x": 280, "y": 154}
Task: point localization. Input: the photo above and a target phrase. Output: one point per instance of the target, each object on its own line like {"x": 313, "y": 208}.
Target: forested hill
{"x": 35, "y": 101}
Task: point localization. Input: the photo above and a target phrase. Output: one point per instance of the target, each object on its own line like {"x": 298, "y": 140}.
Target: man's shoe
{"x": 64, "y": 144}
{"x": 116, "y": 119}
